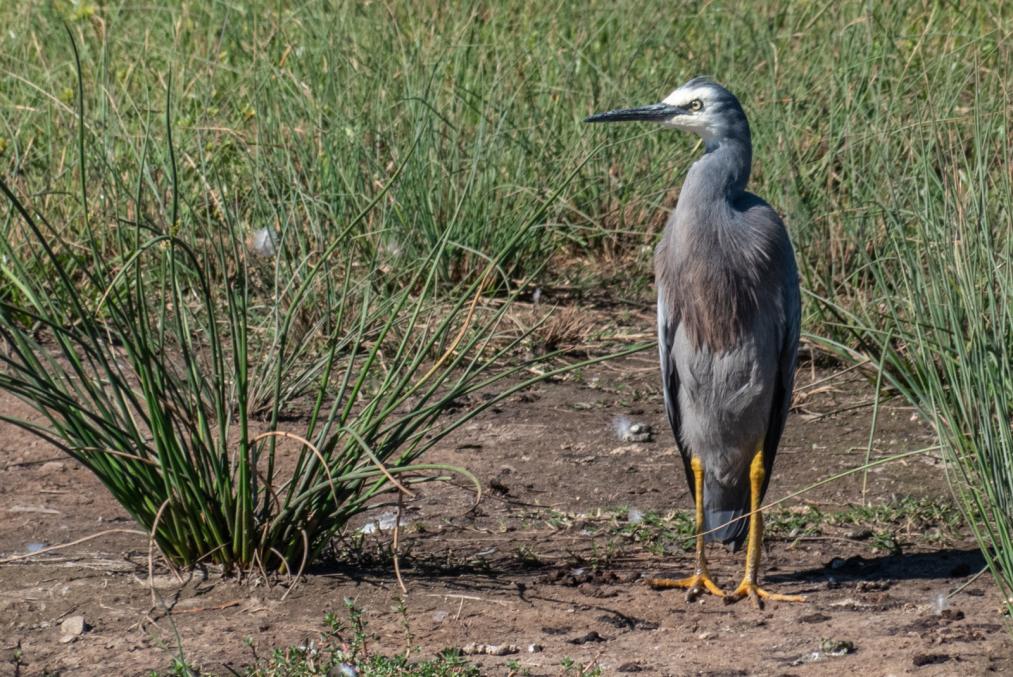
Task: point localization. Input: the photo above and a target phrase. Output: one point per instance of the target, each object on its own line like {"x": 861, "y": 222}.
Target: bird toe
{"x": 695, "y": 585}
{"x": 758, "y": 595}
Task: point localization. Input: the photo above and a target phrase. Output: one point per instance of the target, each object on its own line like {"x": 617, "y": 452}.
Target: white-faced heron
{"x": 728, "y": 327}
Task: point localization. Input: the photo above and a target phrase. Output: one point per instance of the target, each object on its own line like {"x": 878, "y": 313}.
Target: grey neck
{"x": 723, "y": 171}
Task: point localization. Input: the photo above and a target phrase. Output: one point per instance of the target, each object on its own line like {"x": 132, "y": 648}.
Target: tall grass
{"x": 939, "y": 309}
{"x": 165, "y": 358}
{"x": 308, "y": 105}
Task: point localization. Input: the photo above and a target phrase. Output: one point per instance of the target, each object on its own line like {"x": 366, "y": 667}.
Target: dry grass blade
{"x": 78, "y": 541}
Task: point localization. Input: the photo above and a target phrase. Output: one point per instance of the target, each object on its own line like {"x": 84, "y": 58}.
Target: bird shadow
{"x": 939, "y": 564}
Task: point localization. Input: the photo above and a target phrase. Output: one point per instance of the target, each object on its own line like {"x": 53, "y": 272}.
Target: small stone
{"x": 440, "y": 616}
{"x": 837, "y": 647}
{"x": 630, "y": 431}
{"x": 501, "y": 649}
{"x": 535, "y": 648}
{"x": 589, "y": 638}
{"x": 629, "y": 667}
{"x": 951, "y": 615}
{"x": 707, "y": 635}
{"x": 344, "y": 670}
{"x": 51, "y": 467}
{"x": 814, "y": 618}
{"x": 473, "y": 649}
{"x": 498, "y": 487}
{"x": 637, "y": 432}
{"x": 73, "y": 626}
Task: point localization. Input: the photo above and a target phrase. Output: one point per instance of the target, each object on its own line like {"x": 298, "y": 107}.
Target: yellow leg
{"x": 754, "y": 544}
{"x": 701, "y": 581}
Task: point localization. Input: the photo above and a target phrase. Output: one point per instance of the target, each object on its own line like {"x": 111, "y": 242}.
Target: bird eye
{"x": 695, "y": 105}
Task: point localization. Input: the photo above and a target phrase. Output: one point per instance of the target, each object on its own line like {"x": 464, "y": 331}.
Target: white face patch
{"x": 683, "y": 95}
{"x": 701, "y": 122}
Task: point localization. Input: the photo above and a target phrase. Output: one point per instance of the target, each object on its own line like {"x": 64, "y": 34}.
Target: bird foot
{"x": 748, "y": 588}
{"x": 695, "y": 585}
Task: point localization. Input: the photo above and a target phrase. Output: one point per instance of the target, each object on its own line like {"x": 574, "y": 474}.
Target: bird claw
{"x": 695, "y": 585}
{"x": 754, "y": 592}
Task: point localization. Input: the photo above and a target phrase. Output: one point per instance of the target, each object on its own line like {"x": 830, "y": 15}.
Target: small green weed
{"x": 658, "y": 532}
{"x": 572, "y": 668}
{"x": 911, "y": 514}
{"x": 516, "y": 669}
{"x": 342, "y": 649}
{"x": 613, "y": 531}
{"x": 934, "y": 519}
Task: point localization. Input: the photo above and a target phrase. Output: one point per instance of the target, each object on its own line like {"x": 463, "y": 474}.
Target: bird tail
{"x": 724, "y": 511}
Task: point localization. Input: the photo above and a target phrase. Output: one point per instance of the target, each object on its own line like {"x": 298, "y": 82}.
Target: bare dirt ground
{"x": 550, "y": 557}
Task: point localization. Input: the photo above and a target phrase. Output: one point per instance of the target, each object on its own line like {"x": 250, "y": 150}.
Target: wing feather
{"x": 667, "y": 327}
{"x": 788, "y": 358}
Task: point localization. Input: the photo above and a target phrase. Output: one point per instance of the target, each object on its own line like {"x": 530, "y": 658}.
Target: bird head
{"x": 701, "y": 106}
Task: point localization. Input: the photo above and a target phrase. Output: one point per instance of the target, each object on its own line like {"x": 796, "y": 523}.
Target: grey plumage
{"x": 728, "y": 307}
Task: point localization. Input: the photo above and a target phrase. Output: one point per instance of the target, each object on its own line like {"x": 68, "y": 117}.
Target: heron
{"x": 728, "y": 329}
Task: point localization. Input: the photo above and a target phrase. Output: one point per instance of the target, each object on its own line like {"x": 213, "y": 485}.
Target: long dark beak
{"x": 655, "y": 112}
